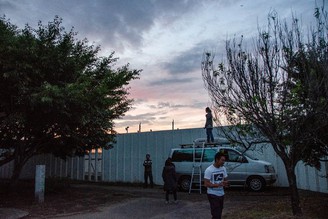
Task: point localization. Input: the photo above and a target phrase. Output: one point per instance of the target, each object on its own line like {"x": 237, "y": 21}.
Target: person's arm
{"x": 163, "y": 174}
{"x": 225, "y": 180}
{"x": 208, "y": 184}
{"x": 206, "y": 122}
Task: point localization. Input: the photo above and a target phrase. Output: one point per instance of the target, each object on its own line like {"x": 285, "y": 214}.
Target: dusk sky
{"x": 164, "y": 38}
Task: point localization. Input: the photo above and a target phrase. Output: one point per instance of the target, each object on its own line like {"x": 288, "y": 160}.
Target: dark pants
{"x": 209, "y": 134}
{"x": 216, "y": 203}
{"x": 150, "y": 176}
{"x": 174, "y": 192}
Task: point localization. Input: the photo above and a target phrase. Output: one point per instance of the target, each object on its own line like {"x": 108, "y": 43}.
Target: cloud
{"x": 143, "y": 116}
{"x": 170, "y": 81}
{"x": 6, "y": 5}
{"x": 189, "y": 61}
{"x": 167, "y": 105}
{"x": 184, "y": 64}
{"x": 107, "y": 22}
{"x": 165, "y": 38}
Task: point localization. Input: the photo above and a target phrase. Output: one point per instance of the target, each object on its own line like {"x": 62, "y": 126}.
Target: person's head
{"x": 147, "y": 156}
{"x": 207, "y": 109}
{"x": 168, "y": 162}
{"x": 219, "y": 159}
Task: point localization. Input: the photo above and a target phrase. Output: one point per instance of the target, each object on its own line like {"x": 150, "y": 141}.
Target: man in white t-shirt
{"x": 215, "y": 179}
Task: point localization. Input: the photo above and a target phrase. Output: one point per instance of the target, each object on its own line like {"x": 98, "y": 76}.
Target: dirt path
{"x": 149, "y": 208}
{"x": 150, "y": 203}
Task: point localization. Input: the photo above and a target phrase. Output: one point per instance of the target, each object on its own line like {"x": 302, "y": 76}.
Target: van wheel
{"x": 184, "y": 183}
{"x": 255, "y": 183}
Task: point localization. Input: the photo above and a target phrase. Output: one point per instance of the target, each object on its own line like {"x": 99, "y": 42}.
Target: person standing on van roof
{"x": 148, "y": 171}
{"x": 170, "y": 180}
{"x": 209, "y": 125}
{"x": 215, "y": 179}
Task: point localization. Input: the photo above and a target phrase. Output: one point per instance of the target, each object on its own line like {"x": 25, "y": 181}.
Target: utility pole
{"x": 139, "y": 127}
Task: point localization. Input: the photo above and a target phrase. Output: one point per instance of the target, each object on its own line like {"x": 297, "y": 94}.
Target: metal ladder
{"x": 196, "y": 173}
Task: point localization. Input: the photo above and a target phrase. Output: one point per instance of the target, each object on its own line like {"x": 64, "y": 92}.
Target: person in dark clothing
{"x": 170, "y": 180}
{"x": 209, "y": 125}
{"x": 148, "y": 171}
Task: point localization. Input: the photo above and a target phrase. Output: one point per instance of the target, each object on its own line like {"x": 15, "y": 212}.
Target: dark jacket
{"x": 147, "y": 164}
{"x": 209, "y": 120}
{"x": 169, "y": 178}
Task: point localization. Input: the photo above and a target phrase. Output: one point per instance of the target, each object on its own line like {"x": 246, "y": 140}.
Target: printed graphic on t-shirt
{"x": 218, "y": 177}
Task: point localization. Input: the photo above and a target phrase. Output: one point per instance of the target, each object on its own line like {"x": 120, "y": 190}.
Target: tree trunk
{"x": 17, "y": 170}
{"x": 295, "y": 198}
{"x": 19, "y": 161}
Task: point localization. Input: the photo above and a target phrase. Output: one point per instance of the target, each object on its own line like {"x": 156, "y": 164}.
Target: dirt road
{"x": 93, "y": 200}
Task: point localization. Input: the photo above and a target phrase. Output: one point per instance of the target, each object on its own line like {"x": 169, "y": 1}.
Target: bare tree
{"x": 276, "y": 92}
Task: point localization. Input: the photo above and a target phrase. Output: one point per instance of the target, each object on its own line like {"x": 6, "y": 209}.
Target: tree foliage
{"x": 57, "y": 96}
{"x": 277, "y": 92}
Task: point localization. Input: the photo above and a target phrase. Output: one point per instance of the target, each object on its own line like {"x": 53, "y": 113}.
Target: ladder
{"x": 196, "y": 173}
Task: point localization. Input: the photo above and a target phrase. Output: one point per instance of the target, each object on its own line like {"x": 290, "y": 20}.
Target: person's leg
{"x": 211, "y": 135}
{"x": 208, "y": 135}
{"x": 151, "y": 179}
{"x": 167, "y": 195}
{"x": 220, "y": 200}
{"x": 216, "y": 204}
{"x": 175, "y": 195}
{"x": 146, "y": 179}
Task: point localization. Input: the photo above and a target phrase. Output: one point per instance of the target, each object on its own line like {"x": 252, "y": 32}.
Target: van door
{"x": 236, "y": 166}
{"x": 182, "y": 159}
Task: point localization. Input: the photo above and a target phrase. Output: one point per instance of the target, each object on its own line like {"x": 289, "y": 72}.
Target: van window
{"x": 185, "y": 155}
{"x": 209, "y": 155}
{"x": 231, "y": 155}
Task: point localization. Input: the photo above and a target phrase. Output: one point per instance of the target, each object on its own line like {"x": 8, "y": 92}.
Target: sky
{"x": 164, "y": 38}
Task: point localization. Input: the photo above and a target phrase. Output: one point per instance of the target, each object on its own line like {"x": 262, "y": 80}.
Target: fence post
{"x": 39, "y": 183}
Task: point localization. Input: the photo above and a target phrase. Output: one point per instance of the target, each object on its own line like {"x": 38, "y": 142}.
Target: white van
{"x": 242, "y": 169}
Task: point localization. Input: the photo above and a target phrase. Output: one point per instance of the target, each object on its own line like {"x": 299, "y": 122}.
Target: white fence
{"x": 124, "y": 162}
{"x": 88, "y": 167}
{"x": 55, "y": 167}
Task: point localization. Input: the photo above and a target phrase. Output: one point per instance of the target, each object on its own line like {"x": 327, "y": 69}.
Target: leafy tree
{"x": 57, "y": 96}
{"x": 277, "y": 92}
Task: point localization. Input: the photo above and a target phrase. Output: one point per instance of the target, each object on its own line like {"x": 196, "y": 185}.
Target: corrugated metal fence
{"x": 124, "y": 162}
{"x": 55, "y": 167}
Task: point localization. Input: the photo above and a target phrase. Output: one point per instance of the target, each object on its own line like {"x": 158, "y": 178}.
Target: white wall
{"x": 55, "y": 167}
{"x": 123, "y": 163}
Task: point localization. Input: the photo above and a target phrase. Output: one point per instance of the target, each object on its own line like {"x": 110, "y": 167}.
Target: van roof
{"x": 218, "y": 140}
{"x": 186, "y": 146}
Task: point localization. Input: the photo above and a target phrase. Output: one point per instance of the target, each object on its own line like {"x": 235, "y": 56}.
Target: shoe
{"x": 167, "y": 202}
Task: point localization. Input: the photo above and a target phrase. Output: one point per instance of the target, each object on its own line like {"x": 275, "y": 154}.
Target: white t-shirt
{"x": 215, "y": 175}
